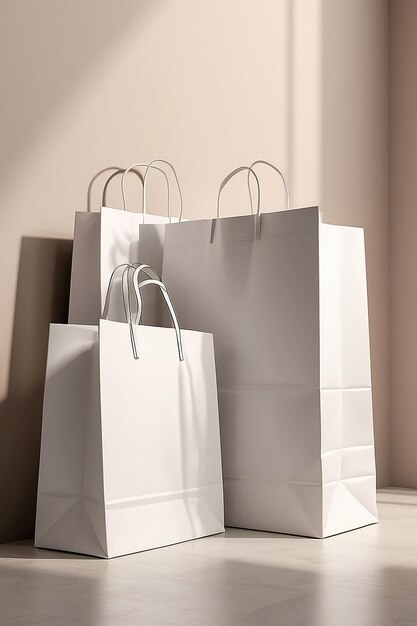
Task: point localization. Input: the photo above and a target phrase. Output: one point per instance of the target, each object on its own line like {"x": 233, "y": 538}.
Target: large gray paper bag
{"x": 286, "y": 299}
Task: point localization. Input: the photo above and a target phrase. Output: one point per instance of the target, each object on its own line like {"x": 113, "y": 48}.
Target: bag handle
{"x": 127, "y": 310}
{"x": 257, "y": 215}
{"x": 108, "y": 181}
{"x": 259, "y": 162}
{"x": 132, "y": 168}
{"x": 112, "y": 168}
{"x": 145, "y": 178}
{"x": 151, "y": 281}
{"x": 148, "y": 271}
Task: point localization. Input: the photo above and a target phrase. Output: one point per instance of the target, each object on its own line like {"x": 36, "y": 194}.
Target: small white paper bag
{"x": 130, "y": 451}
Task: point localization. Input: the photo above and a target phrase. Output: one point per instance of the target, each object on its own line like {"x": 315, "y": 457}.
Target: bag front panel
{"x": 217, "y": 288}
{"x": 160, "y": 437}
{"x": 258, "y": 298}
{"x": 271, "y": 445}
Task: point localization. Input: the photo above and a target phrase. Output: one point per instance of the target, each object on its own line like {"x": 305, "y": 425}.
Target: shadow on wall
{"x": 41, "y": 298}
{"x": 62, "y": 42}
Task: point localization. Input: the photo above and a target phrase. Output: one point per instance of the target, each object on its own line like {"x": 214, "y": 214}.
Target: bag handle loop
{"x": 151, "y": 281}
{"x": 257, "y": 215}
{"x": 108, "y": 181}
{"x": 148, "y": 271}
{"x": 145, "y": 178}
{"x": 132, "y": 168}
{"x": 278, "y": 171}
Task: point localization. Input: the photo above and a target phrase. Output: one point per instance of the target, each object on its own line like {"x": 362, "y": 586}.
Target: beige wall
{"x": 403, "y": 227}
{"x": 206, "y": 85}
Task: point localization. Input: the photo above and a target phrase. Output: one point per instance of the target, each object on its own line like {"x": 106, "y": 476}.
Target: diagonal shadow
{"x": 55, "y": 45}
{"x": 41, "y": 298}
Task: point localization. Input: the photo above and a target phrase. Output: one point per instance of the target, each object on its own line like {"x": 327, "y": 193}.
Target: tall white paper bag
{"x": 130, "y": 451}
{"x": 109, "y": 238}
{"x": 286, "y": 299}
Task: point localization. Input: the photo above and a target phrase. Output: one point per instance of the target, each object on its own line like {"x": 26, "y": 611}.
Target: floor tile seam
{"x": 115, "y": 602}
{"x": 135, "y": 556}
{"x": 287, "y": 560}
{"x": 311, "y": 592}
{"x": 17, "y": 561}
{"x": 386, "y": 587}
{"x": 173, "y": 549}
{"x": 193, "y": 553}
{"x": 138, "y": 609}
{"x": 285, "y": 587}
{"x": 109, "y": 604}
{"x": 128, "y": 572}
{"x": 379, "y": 585}
{"x": 375, "y": 570}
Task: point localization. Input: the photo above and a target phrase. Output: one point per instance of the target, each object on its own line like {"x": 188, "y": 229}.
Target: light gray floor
{"x": 365, "y": 577}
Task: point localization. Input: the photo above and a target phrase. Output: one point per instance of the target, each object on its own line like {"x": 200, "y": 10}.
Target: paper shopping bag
{"x": 286, "y": 299}
{"x": 130, "y": 451}
{"x": 109, "y": 238}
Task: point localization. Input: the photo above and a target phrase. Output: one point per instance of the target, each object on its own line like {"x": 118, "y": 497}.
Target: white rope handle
{"x": 259, "y": 162}
{"x": 145, "y": 177}
{"x": 132, "y": 168}
{"x": 95, "y": 177}
{"x": 108, "y": 181}
{"x": 140, "y": 285}
{"x": 229, "y": 177}
{"x": 126, "y": 266}
{"x": 126, "y": 309}
{"x": 148, "y": 271}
